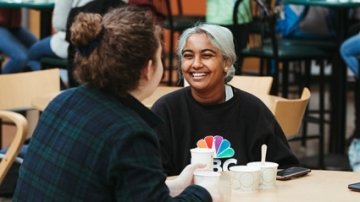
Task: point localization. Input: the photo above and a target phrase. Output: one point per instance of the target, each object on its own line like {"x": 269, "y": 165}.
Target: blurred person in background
{"x": 350, "y": 52}
{"x": 54, "y": 46}
{"x": 15, "y": 40}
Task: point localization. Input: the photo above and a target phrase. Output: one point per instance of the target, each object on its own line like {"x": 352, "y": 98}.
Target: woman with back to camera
{"x": 210, "y": 113}
{"x": 96, "y": 142}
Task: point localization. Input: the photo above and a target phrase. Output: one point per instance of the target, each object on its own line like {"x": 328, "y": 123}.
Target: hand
{"x": 186, "y": 178}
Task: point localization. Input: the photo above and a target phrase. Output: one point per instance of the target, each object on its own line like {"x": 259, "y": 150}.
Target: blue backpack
{"x": 306, "y": 22}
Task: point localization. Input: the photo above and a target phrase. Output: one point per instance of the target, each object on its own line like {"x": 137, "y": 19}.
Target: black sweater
{"x": 243, "y": 120}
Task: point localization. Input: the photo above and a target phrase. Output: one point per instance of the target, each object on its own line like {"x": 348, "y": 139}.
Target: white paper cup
{"x": 207, "y": 177}
{"x": 225, "y": 186}
{"x": 268, "y": 173}
{"x": 203, "y": 156}
{"x": 244, "y": 179}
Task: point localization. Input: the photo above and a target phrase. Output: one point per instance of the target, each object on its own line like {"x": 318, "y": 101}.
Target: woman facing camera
{"x": 96, "y": 142}
{"x": 210, "y": 113}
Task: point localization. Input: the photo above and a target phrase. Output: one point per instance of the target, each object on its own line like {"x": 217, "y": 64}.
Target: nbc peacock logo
{"x": 221, "y": 146}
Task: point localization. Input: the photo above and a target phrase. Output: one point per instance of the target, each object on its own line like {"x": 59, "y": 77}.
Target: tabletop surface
{"x": 317, "y": 186}
{"x": 35, "y": 4}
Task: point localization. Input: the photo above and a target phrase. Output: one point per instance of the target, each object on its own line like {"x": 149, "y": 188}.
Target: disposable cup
{"x": 244, "y": 179}
{"x": 206, "y": 177}
{"x": 267, "y": 174}
{"x": 203, "y": 156}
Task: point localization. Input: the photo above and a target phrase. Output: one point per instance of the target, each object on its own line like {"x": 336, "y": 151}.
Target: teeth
{"x": 198, "y": 74}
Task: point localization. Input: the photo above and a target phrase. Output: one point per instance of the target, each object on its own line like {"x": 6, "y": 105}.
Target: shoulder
{"x": 109, "y": 111}
{"x": 250, "y": 104}
{"x": 246, "y": 97}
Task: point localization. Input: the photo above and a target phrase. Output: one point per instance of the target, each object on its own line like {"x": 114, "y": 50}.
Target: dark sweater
{"x": 243, "y": 120}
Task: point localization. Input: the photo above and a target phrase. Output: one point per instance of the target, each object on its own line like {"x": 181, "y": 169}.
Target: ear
{"x": 148, "y": 71}
{"x": 227, "y": 66}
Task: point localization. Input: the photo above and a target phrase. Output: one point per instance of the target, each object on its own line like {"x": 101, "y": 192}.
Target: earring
{"x": 226, "y": 69}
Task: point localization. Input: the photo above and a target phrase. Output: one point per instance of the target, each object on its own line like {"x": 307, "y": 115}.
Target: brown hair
{"x": 112, "y": 50}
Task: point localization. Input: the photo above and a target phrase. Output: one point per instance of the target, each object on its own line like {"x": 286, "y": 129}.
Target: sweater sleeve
{"x": 269, "y": 132}
{"x": 164, "y": 134}
{"x": 135, "y": 166}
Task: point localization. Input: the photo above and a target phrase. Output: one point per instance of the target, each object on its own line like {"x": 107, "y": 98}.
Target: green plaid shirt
{"x": 92, "y": 146}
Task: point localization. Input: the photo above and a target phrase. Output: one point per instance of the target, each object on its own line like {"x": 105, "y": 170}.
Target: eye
{"x": 188, "y": 55}
{"x": 207, "y": 55}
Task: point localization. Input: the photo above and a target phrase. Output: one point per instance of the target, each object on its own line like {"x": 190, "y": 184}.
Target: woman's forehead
{"x": 200, "y": 40}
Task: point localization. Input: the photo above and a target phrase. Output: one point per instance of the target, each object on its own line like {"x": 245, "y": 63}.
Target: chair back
{"x": 17, "y": 142}
{"x": 290, "y": 112}
{"x": 253, "y": 84}
{"x": 19, "y": 89}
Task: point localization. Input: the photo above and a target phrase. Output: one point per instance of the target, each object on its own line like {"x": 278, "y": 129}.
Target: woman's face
{"x": 152, "y": 76}
{"x": 202, "y": 64}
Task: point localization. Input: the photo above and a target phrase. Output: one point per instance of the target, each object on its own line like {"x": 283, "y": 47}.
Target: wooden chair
{"x": 290, "y": 113}
{"x": 253, "y": 84}
{"x": 19, "y": 89}
{"x": 17, "y": 142}
{"x": 49, "y": 62}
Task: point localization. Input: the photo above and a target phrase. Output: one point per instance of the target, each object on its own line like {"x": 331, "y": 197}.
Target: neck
{"x": 214, "y": 96}
{"x": 138, "y": 94}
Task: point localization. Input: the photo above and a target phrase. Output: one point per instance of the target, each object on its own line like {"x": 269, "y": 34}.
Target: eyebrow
{"x": 189, "y": 50}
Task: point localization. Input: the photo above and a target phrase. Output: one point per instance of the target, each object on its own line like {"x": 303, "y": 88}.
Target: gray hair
{"x": 220, "y": 37}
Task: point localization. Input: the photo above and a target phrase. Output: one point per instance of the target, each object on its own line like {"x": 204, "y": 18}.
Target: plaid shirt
{"x": 92, "y": 146}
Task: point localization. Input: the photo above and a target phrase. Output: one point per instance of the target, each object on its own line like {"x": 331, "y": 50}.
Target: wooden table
{"x": 318, "y": 186}
{"x": 45, "y": 7}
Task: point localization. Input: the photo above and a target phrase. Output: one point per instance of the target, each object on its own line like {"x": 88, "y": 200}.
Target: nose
{"x": 197, "y": 63}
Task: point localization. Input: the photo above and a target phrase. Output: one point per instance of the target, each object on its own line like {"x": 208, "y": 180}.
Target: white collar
{"x": 228, "y": 92}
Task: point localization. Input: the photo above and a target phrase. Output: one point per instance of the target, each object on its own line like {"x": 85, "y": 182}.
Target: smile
{"x": 198, "y": 74}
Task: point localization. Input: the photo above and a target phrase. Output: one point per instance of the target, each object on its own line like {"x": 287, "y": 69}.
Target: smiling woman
{"x": 204, "y": 65}
{"x": 209, "y": 109}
